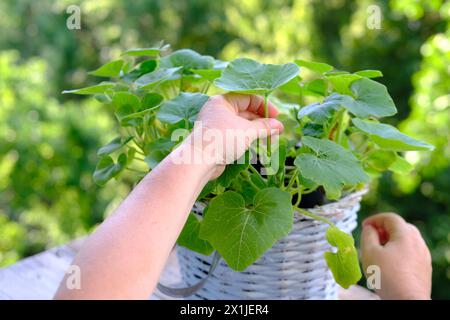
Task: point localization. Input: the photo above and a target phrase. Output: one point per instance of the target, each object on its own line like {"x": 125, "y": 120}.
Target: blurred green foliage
{"x": 48, "y": 144}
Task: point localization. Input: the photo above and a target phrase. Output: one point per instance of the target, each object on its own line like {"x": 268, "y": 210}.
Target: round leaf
{"x": 187, "y": 59}
{"x": 344, "y": 263}
{"x": 389, "y": 138}
{"x": 110, "y": 69}
{"x": 371, "y": 99}
{"x": 249, "y": 76}
{"x": 319, "y": 67}
{"x": 184, "y": 107}
{"x": 331, "y": 166}
{"x": 240, "y": 233}
{"x": 152, "y": 79}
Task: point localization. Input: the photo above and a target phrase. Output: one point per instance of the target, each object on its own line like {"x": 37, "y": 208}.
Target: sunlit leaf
{"x": 316, "y": 87}
{"x": 187, "y": 59}
{"x": 388, "y": 137}
{"x": 249, "y": 76}
{"x": 400, "y": 166}
{"x": 321, "y": 112}
{"x": 369, "y": 73}
{"x": 151, "y": 100}
{"x": 371, "y": 99}
{"x": 110, "y": 69}
{"x": 98, "y": 88}
{"x": 113, "y": 145}
{"x": 341, "y": 82}
{"x": 153, "y": 51}
{"x": 208, "y": 74}
{"x": 330, "y": 165}
{"x": 152, "y": 79}
{"x": 184, "y": 107}
{"x": 125, "y": 104}
{"x": 344, "y": 263}
{"x": 319, "y": 67}
{"x": 380, "y": 160}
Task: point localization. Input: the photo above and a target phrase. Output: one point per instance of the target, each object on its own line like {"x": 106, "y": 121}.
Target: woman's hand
{"x": 398, "y": 249}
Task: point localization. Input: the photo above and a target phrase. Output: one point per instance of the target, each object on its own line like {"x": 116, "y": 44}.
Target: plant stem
{"x": 313, "y": 216}
{"x": 249, "y": 180}
{"x": 266, "y": 115}
{"x": 341, "y": 126}
{"x": 206, "y": 88}
{"x": 291, "y": 181}
{"x": 299, "y": 197}
{"x": 252, "y": 168}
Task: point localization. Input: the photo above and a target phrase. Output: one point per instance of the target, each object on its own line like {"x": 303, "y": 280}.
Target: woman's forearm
{"x": 125, "y": 255}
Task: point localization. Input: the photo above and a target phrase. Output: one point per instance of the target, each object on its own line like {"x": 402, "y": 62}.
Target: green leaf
{"x": 249, "y": 76}
{"x": 207, "y": 189}
{"x": 110, "y": 69}
{"x": 157, "y": 151}
{"x": 316, "y": 87}
{"x": 230, "y": 172}
{"x": 388, "y": 137}
{"x": 341, "y": 82}
{"x": 106, "y": 169}
{"x": 113, "y": 145}
{"x": 153, "y": 51}
{"x": 144, "y": 67}
{"x": 187, "y": 59}
{"x": 208, "y": 74}
{"x": 314, "y": 66}
{"x": 331, "y": 166}
{"x": 380, "y": 160}
{"x": 240, "y": 233}
{"x": 189, "y": 237}
{"x": 313, "y": 130}
{"x": 321, "y": 112}
{"x": 151, "y": 100}
{"x": 401, "y": 166}
{"x": 369, "y": 73}
{"x": 125, "y": 104}
{"x": 344, "y": 263}
{"x": 371, "y": 99}
{"x": 292, "y": 86}
{"x": 98, "y": 88}
{"x": 152, "y": 79}
{"x": 184, "y": 107}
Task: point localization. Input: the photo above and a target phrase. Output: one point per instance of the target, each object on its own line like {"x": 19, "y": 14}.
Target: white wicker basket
{"x": 294, "y": 268}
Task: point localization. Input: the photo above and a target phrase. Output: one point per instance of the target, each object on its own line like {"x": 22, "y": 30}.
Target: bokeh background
{"x": 48, "y": 141}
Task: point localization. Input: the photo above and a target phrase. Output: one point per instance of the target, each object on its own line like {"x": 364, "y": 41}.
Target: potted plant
{"x": 281, "y": 228}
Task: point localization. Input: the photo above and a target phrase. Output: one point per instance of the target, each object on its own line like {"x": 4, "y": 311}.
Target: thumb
{"x": 263, "y": 127}
{"x": 369, "y": 238}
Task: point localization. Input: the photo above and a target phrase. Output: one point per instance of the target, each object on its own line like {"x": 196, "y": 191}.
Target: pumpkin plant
{"x": 333, "y": 144}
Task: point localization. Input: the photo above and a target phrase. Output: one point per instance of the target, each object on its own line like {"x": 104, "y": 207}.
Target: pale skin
{"x": 125, "y": 255}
